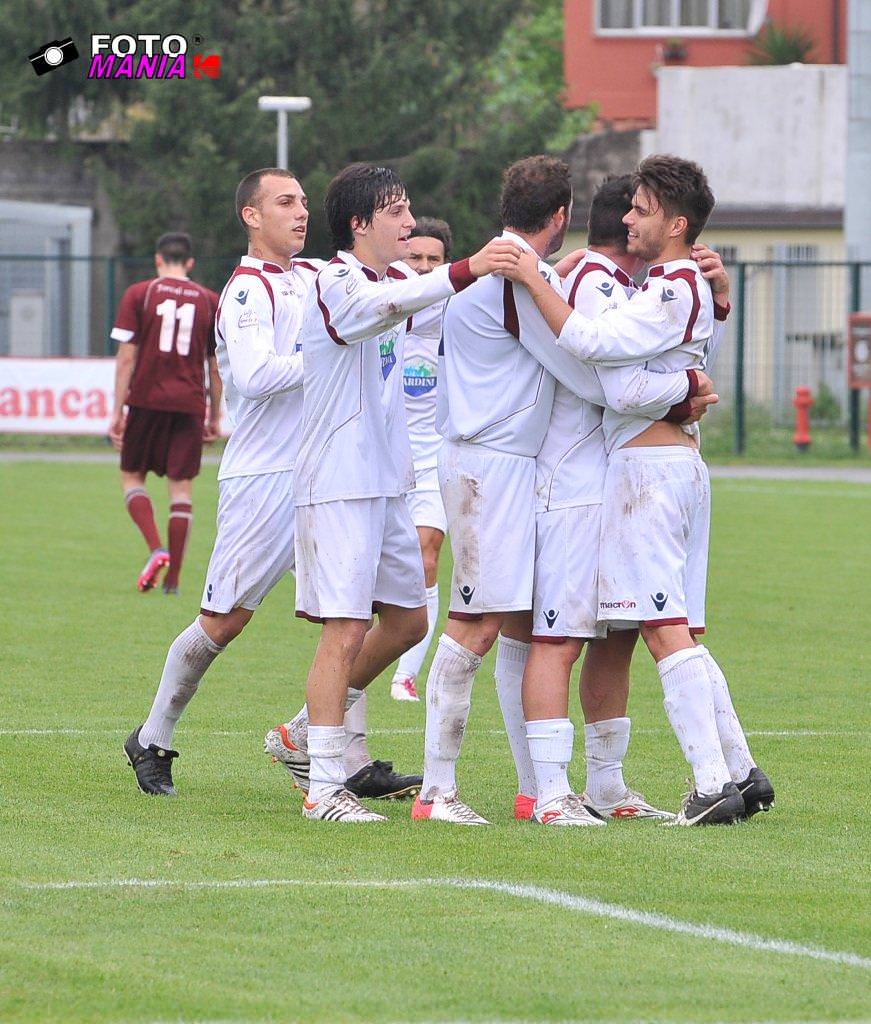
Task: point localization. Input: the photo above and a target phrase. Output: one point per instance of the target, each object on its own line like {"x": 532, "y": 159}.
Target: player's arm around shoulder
{"x": 247, "y": 326}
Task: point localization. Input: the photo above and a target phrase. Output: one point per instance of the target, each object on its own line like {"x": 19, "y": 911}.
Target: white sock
{"x": 511, "y": 658}
{"x": 689, "y": 703}
{"x": 297, "y": 727}
{"x": 550, "y": 746}
{"x": 448, "y": 700}
{"x": 732, "y": 738}
{"x": 189, "y": 655}
{"x": 606, "y": 743}
{"x": 356, "y": 751}
{"x": 326, "y": 745}
{"x": 410, "y": 662}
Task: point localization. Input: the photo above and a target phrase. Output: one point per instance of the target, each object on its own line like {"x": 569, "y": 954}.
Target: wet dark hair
{"x": 681, "y": 189}
{"x": 610, "y": 204}
{"x": 360, "y": 190}
{"x": 533, "y": 190}
{"x": 248, "y": 188}
{"x": 432, "y": 227}
{"x": 175, "y": 247}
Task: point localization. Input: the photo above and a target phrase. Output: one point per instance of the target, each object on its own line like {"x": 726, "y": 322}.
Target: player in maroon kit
{"x": 165, "y": 329}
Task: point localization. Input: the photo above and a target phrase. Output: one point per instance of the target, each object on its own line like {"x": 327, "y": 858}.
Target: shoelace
{"x": 346, "y": 801}
{"x": 462, "y": 811}
{"x": 572, "y": 802}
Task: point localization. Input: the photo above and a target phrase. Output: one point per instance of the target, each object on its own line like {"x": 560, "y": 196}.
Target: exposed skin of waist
{"x": 661, "y": 434}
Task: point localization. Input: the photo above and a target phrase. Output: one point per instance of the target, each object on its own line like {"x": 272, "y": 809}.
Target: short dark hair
{"x": 175, "y": 247}
{"x": 610, "y": 204}
{"x": 533, "y": 190}
{"x": 432, "y": 227}
{"x": 360, "y": 190}
{"x": 681, "y": 189}
{"x": 248, "y": 188}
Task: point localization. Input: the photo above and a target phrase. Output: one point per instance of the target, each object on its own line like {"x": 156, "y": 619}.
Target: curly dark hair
{"x": 432, "y": 227}
{"x": 681, "y": 189}
{"x": 360, "y": 190}
{"x": 533, "y": 189}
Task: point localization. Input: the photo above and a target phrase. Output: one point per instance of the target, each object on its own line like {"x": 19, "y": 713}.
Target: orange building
{"x": 613, "y": 47}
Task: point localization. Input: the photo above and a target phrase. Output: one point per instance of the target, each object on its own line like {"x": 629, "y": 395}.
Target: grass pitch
{"x": 352, "y": 933}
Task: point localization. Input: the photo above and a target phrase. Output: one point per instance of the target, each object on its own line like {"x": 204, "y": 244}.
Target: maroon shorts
{"x": 166, "y": 443}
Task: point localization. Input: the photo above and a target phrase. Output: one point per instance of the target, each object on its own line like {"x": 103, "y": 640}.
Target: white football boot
{"x": 339, "y": 806}
{"x": 565, "y": 810}
{"x": 290, "y": 752}
{"x": 403, "y": 688}
{"x": 446, "y": 807}
{"x": 631, "y": 805}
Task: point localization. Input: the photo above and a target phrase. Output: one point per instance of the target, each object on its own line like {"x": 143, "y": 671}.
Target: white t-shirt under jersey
{"x": 354, "y": 440}
{"x": 258, "y": 352}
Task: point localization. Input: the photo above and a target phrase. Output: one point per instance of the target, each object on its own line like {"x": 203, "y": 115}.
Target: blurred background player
{"x": 165, "y": 331}
{"x": 430, "y": 248}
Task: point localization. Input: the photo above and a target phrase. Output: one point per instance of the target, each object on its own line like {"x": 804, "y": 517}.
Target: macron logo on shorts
{"x": 551, "y": 617}
{"x": 466, "y": 593}
{"x": 659, "y": 600}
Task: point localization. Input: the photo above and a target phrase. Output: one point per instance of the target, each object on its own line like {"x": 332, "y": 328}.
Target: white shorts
{"x": 254, "y": 544}
{"x": 653, "y": 555}
{"x": 565, "y": 592}
{"x": 489, "y": 499}
{"x": 425, "y": 501}
{"x": 352, "y": 555}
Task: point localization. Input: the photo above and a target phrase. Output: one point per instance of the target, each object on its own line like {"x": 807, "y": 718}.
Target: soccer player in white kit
{"x": 356, "y": 547}
{"x": 656, "y": 510}
{"x": 258, "y": 353}
{"x": 430, "y": 248}
{"x": 496, "y": 390}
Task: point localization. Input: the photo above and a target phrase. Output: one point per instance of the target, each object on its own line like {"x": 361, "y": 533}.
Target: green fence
{"x": 788, "y": 329}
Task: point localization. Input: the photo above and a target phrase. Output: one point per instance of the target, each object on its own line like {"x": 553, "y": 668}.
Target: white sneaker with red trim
{"x": 339, "y": 806}
{"x": 446, "y": 807}
{"x": 403, "y": 688}
{"x": 632, "y": 806}
{"x": 565, "y": 810}
{"x": 289, "y": 752}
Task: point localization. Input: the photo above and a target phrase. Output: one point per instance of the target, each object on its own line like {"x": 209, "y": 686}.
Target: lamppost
{"x": 281, "y": 105}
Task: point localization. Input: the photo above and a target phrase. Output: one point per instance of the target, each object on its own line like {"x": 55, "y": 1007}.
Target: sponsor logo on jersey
{"x": 209, "y": 592}
{"x": 343, "y": 272}
{"x": 466, "y": 593}
{"x": 606, "y": 287}
{"x": 249, "y": 318}
{"x": 149, "y": 56}
{"x": 242, "y": 296}
{"x": 668, "y": 294}
{"x": 551, "y": 617}
{"x": 388, "y": 355}
{"x": 659, "y": 600}
{"x": 419, "y": 377}
{"x": 617, "y": 604}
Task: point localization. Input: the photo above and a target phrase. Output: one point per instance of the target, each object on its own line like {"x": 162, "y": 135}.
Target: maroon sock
{"x": 142, "y": 513}
{"x": 180, "y": 517}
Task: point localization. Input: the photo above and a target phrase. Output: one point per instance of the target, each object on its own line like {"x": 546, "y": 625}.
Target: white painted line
{"x": 534, "y": 893}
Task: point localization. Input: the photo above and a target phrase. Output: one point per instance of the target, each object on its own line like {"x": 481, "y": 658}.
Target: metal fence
{"x": 787, "y": 328}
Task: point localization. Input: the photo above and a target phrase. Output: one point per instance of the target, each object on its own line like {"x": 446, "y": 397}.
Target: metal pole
{"x": 738, "y": 440}
{"x": 854, "y": 395}
{"x": 282, "y": 139}
{"x": 110, "y": 303}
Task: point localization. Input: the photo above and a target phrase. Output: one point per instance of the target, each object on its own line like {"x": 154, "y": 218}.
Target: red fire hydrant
{"x": 803, "y": 401}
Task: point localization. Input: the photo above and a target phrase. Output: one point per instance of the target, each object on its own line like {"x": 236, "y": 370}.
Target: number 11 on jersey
{"x": 169, "y": 312}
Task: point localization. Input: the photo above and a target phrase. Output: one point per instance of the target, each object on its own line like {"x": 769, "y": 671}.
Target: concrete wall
{"x": 772, "y": 136}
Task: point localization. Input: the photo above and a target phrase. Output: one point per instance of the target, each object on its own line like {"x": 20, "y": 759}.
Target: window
{"x": 692, "y": 17}
{"x": 728, "y": 253}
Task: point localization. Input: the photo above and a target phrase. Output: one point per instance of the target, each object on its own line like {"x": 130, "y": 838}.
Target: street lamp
{"x": 281, "y": 105}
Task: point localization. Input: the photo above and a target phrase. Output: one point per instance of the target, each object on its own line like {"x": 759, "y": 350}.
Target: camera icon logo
{"x": 53, "y": 55}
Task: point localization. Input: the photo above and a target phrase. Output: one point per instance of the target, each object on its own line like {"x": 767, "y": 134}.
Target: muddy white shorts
{"x": 653, "y": 554}
{"x": 489, "y": 499}
{"x": 565, "y": 591}
{"x": 425, "y": 501}
{"x": 353, "y": 555}
{"x": 254, "y": 546}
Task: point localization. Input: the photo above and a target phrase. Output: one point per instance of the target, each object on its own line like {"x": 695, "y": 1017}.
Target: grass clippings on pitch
{"x": 789, "y": 620}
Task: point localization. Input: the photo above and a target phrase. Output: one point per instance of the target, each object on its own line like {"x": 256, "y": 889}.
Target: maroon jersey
{"x": 171, "y": 322}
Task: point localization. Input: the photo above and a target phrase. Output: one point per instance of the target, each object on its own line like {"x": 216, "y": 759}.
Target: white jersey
{"x": 258, "y": 352}
{"x": 499, "y": 365}
{"x": 570, "y": 468}
{"x": 354, "y": 433}
{"x": 668, "y": 326}
{"x": 420, "y": 377}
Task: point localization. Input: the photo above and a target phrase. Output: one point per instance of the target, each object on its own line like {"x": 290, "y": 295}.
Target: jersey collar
{"x": 342, "y": 256}
{"x": 661, "y": 269}
{"x": 593, "y": 256}
{"x": 264, "y": 266}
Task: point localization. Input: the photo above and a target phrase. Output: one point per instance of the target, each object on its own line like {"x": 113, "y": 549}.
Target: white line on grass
{"x": 535, "y": 893}
{"x": 418, "y": 731}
